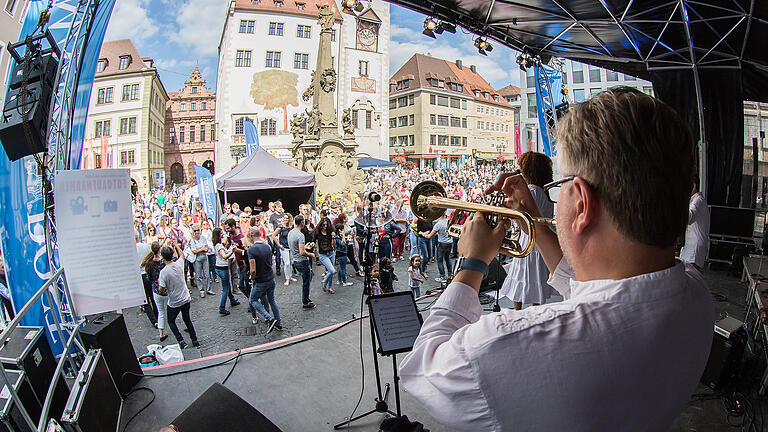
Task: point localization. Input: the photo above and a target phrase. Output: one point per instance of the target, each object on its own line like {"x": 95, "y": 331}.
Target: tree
{"x": 275, "y": 89}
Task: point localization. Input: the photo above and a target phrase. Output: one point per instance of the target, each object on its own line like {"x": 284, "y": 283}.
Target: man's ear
{"x": 585, "y": 206}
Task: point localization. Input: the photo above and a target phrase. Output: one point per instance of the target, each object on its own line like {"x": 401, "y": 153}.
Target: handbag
{"x": 189, "y": 255}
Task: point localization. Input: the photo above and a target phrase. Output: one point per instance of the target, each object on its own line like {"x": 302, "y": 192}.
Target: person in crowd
{"x": 207, "y": 234}
{"x": 236, "y": 209}
{"x": 424, "y": 245}
{"x": 152, "y": 264}
{"x": 227, "y": 213}
{"x": 237, "y": 269}
{"x": 375, "y": 281}
{"x": 696, "y": 247}
{"x": 390, "y": 231}
{"x": 324, "y": 237}
{"x": 280, "y": 238}
{"x": 275, "y": 220}
{"x": 163, "y": 230}
{"x": 416, "y": 276}
{"x": 444, "y": 245}
{"x": 260, "y": 265}
{"x": 142, "y": 249}
{"x": 171, "y": 283}
{"x": 151, "y": 236}
{"x": 526, "y": 281}
{"x": 199, "y": 247}
{"x": 400, "y": 216}
{"x": 387, "y": 275}
{"x": 224, "y": 256}
{"x": 341, "y": 255}
{"x": 300, "y": 253}
{"x": 632, "y": 317}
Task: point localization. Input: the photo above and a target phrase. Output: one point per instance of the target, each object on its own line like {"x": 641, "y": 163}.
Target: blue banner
{"x": 206, "y": 190}
{"x": 22, "y": 230}
{"x": 251, "y": 137}
{"x": 545, "y": 101}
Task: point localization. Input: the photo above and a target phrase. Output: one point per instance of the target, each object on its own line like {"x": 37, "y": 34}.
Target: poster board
{"x": 396, "y": 320}
{"x": 97, "y": 247}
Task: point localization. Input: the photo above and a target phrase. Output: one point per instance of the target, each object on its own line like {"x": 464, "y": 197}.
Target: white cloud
{"x": 202, "y": 38}
{"x": 131, "y": 20}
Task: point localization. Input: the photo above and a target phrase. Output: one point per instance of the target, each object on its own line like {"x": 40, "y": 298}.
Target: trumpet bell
{"x": 419, "y": 200}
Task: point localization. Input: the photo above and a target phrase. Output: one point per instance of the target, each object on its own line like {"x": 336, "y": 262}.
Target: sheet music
{"x": 397, "y": 322}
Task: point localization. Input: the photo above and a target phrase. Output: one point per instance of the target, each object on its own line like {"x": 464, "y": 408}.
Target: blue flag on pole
{"x": 251, "y": 137}
{"x": 206, "y": 189}
{"x": 544, "y": 101}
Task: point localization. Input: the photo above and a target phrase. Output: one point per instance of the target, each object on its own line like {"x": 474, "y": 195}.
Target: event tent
{"x": 369, "y": 162}
{"x": 704, "y": 57}
{"x": 262, "y": 176}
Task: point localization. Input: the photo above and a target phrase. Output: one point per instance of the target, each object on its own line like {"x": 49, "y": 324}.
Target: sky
{"x": 178, "y": 34}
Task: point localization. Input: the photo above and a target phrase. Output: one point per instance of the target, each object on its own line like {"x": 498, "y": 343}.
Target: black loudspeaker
{"x": 219, "y": 409}
{"x": 495, "y": 277}
{"x": 108, "y": 332}
{"x": 27, "y": 350}
{"x": 11, "y": 418}
{"x": 41, "y": 74}
{"x": 94, "y": 404}
{"x": 725, "y": 356}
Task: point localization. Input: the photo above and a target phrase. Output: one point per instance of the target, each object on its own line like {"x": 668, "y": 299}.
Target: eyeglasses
{"x": 195, "y": 230}
{"x": 553, "y": 188}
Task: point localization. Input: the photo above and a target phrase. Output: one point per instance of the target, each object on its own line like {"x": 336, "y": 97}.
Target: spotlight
{"x": 483, "y": 45}
{"x": 352, "y": 5}
{"x": 450, "y": 28}
{"x": 524, "y": 60}
{"x": 429, "y": 27}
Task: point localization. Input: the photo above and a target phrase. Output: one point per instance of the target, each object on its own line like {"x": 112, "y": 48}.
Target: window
{"x": 102, "y": 128}
{"x": 128, "y": 125}
{"x": 392, "y": 141}
{"x": 456, "y": 141}
{"x": 127, "y": 157}
{"x": 464, "y": 122}
{"x": 243, "y": 58}
{"x": 273, "y": 59}
{"x": 183, "y": 107}
{"x": 300, "y": 6}
{"x": 411, "y": 140}
{"x": 213, "y": 132}
{"x": 411, "y": 99}
{"x": 402, "y": 121}
{"x": 442, "y": 101}
{"x": 411, "y": 119}
{"x": 393, "y": 122}
{"x": 202, "y": 133}
{"x": 362, "y": 68}
{"x": 463, "y": 104}
{"x": 442, "y": 120}
{"x": 532, "y": 113}
{"x": 101, "y": 65}
{"x": 432, "y": 119}
{"x": 202, "y": 106}
{"x": 530, "y": 78}
{"x": 463, "y": 141}
{"x": 355, "y": 119}
{"x": 105, "y": 95}
{"x": 402, "y": 101}
{"x": 479, "y": 124}
{"x": 246, "y": 26}
{"x": 369, "y": 119}
{"x": 304, "y": 31}
{"x": 611, "y": 75}
{"x": 192, "y": 134}
{"x": 455, "y": 103}
{"x": 193, "y": 106}
{"x": 130, "y": 92}
{"x": 456, "y": 87}
{"x": 275, "y": 28}
{"x": 333, "y": 35}
{"x": 433, "y": 140}
{"x": 268, "y": 127}
{"x": 301, "y": 61}
{"x": 578, "y": 95}
{"x": 629, "y": 78}
{"x": 171, "y": 135}
{"x": 578, "y": 72}
{"x": 125, "y": 61}
{"x": 594, "y": 74}
{"x": 9, "y": 5}
{"x": 455, "y": 122}
{"x": 442, "y": 140}
{"x": 402, "y": 140}
{"x": 278, "y": 3}
{"x": 594, "y": 91}
{"x": 194, "y": 90}
{"x": 239, "y": 126}
{"x": 392, "y": 103}
{"x": 432, "y": 99}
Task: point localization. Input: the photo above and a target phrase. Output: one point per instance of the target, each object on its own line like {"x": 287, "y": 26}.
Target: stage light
{"x": 525, "y": 61}
{"x": 349, "y": 6}
{"x": 450, "y": 28}
{"x": 429, "y": 26}
{"x": 483, "y": 46}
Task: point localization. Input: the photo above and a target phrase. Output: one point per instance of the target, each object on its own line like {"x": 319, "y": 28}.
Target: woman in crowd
{"x": 199, "y": 246}
{"x": 206, "y": 233}
{"x": 151, "y": 234}
{"x": 152, "y": 264}
{"x": 324, "y": 237}
{"x": 224, "y": 255}
{"x": 163, "y": 229}
{"x": 400, "y": 217}
{"x": 280, "y": 237}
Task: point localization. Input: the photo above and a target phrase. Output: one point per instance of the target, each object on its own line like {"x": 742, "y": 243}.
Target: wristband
{"x": 465, "y": 263}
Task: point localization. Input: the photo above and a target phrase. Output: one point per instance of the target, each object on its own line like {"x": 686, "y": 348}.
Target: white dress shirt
{"x": 614, "y": 355}
{"x": 697, "y": 233}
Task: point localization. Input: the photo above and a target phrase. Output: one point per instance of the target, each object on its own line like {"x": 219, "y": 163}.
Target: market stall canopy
{"x": 369, "y": 162}
{"x": 261, "y": 171}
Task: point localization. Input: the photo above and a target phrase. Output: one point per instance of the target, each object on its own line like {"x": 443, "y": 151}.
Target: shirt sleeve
{"x": 560, "y": 279}
{"x": 439, "y": 372}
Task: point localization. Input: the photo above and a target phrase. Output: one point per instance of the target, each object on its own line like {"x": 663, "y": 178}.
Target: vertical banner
{"x": 94, "y": 221}
{"x": 206, "y": 190}
{"x": 251, "y": 137}
{"x": 104, "y": 152}
{"x": 22, "y": 229}
{"x": 518, "y": 149}
{"x": 546, "y": 101}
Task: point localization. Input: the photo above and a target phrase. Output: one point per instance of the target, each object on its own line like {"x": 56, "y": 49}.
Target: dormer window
{"x": 101, "y": 65}
{"x": 486, "y": 95}
{"x": 278, "y": 3}
{"x": 496, "y": 98}
{"x": 300, "y": 6}
{"x": 125, "y": 61}
{"x": 194, "y": 90}
{"x": 477, "y": 93}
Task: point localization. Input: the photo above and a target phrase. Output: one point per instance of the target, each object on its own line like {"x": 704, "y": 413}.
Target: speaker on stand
{"x": 108, "y": 332}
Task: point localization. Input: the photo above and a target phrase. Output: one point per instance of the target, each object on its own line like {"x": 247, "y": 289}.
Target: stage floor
{"x": 312, "y": 385}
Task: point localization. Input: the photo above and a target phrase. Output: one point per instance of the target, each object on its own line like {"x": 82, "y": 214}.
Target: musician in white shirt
{"x": 627, "y": 346}
{"x": 696, "y": 245}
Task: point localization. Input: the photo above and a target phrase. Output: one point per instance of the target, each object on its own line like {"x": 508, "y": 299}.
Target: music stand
{"x": 395, "y": 323}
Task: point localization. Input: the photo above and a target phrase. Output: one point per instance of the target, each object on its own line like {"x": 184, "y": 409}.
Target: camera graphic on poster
{"x": 78, "y": 206}
{"x": 110, "y": 206}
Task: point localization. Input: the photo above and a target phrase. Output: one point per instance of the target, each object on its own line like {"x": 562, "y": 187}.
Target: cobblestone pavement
{"x": 218, "y": 334}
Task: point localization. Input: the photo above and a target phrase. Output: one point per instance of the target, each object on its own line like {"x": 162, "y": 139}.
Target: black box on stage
{"x": 36, "y": 111}
{"x": 219, "y": 409}
{"x": 11, "y": 418}
{"x": 40, "y": 69}
{"x": 94, "y": 404}
{"x": 108, "y": 332}
{"x": 725, "y": 356}
{"x": 27, "y": 350}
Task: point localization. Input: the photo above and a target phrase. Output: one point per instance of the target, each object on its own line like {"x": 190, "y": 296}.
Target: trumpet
{"x": 429, "y": 201}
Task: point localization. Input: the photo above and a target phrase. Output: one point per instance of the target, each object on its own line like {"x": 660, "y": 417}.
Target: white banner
{"x": 94, "y": 228}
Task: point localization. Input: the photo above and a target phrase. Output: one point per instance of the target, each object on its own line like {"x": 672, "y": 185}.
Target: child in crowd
{"x": 415, "y": 276}
{"x": 375, "y": 287}
{"x": 341, "y": 255}
{"x": 387, "y": 275}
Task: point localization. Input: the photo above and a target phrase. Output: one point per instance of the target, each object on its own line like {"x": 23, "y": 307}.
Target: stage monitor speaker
{"x": 27, "y": 350}
{"x": 495, "y": 277}
{"x": 40, "y": 69}
{"x": 219, "y": 409}
{"x": 35, "y": 110}
{"x": 108, "y": 332}
{"x": 11, "y": 418}
{"x": 728, "y": 344}
{"x": 94, "y": 404}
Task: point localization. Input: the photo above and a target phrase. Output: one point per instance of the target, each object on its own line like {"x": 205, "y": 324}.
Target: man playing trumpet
{"x": 627, "y": 346}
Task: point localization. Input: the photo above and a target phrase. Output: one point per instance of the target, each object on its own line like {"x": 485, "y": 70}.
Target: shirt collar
{"x": 637, "y": 288}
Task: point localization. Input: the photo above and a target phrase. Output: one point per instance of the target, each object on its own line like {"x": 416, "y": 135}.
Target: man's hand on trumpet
{"x": 518, "y": 195}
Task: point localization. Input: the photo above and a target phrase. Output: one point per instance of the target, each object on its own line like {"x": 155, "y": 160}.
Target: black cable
{"x": 233, "y": 367}
{"x": 362, "y": 363}
{"x": 143, "y": 408}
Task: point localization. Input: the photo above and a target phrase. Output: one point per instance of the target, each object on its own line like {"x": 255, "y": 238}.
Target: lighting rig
{"x": 433, "y": 26}
{"x": 483, "y": 46}
{"x": 352, "y": 5}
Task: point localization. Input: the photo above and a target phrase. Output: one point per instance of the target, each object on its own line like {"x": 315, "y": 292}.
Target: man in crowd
{"x": 301, "y": 255}
{"x": 260, "y": 260}
{"x": 696, "y": 246}
{"x": 275, "y": 220}
{"x": 237, "y": 269}
{"x": 227, "y": 213}
{"x": 171, "y": 283}
{"x": 627, "y": 346}
{"x": 444, "y": 246}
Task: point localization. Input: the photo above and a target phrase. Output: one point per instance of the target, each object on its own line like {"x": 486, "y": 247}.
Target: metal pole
{"x": 699, "y": 101}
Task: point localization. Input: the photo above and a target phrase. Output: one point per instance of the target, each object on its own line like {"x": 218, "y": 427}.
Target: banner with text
{"x": 206, "y": 190}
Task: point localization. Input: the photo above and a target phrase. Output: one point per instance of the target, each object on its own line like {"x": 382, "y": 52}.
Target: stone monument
{"x": 318, "y": 146}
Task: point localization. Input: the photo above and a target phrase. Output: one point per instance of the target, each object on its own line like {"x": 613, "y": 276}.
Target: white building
{"x": 582, "y": 81}
{"x": 11, "y": 19}
{"x": 267, "y": 52}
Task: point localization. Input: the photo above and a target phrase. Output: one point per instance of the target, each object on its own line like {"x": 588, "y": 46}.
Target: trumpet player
{"x": 626, "y": 347}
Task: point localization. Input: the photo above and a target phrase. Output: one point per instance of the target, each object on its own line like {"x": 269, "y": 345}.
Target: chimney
{"x": 473, "y": 68}
{"x": 458, "y": 64}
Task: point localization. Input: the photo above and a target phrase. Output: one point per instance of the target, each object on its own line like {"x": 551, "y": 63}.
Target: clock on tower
{"x": 367, "y": 35}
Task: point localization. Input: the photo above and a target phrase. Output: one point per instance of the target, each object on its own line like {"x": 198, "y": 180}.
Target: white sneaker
{"x": 348, "y": 284}
{"x": 439, "y": 279}
{"x": 255, "y": 320}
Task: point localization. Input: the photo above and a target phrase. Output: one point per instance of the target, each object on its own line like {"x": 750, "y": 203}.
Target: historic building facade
{"x": 126, "y": 116}
{"x": 190, "y": 130}
{"x": 267, "y": 53}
